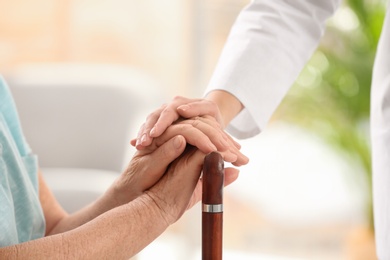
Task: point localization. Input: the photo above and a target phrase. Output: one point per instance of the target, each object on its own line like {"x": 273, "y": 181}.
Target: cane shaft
{"x": 212, "y": 207}
{"x": 212, "y": 236}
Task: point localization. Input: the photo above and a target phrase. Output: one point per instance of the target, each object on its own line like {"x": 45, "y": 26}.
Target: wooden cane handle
{"x": 212, "y": 206}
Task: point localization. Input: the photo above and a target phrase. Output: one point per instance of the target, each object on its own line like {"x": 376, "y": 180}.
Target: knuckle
{"x": 195, "y": 122}
{"x": 183, "y": 127}
{"x": 176, "y": 98}
{"x": 149, "y": 117}
{"x": 167, "y": 110}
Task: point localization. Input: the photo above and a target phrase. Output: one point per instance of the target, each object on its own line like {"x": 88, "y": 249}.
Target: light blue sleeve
{"x": 21, "y": 216}
{"x": 11, "y": 117}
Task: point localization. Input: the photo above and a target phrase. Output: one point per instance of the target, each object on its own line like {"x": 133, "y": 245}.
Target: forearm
{"x": 140, "y": 175}
{"x": 86, "y": 214}
{"x": 117, "y": 234}
{"x": 58, "y": 221}
{"x": 229, "y": 105}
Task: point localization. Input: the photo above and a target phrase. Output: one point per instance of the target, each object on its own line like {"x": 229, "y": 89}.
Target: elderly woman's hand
{"x": 149, "y": 164}
{"x": 181, "y": 186}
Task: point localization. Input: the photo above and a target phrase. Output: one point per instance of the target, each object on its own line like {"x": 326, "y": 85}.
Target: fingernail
{"x": 184, "y": 107}
{"x": 213, "y": 147}
{"x": 152, "y": 131}
{"x": 177, "y": 142}
{"x": 138, "y": 142}
{"x": 143, "y": 138}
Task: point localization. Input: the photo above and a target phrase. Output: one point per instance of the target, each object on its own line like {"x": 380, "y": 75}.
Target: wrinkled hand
{"x": 145, "y": 169}
{"x": 181, "y": 187}
{"x": 149, "y": 164}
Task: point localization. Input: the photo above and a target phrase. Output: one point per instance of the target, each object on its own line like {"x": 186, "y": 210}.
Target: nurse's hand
{"x": 180, "y": 107}
{"x": 206, "y": 134}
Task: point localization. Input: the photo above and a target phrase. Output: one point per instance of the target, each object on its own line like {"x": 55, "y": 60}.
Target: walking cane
{"x": 212, "y": 206}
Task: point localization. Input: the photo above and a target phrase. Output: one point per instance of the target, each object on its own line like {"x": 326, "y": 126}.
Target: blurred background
{"x": 306, "y": 194}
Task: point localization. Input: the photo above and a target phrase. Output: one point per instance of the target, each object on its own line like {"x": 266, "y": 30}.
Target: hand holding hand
{"x": 149, "y": 164}
{"x": 182, "y": 108}
{"x": 158, "y": 121}
{"x": 206, "y": 134}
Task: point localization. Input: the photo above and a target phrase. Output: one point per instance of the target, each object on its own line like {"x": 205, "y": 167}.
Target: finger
{"x": 143, "y": 137}
{"x": 242, "y": 159}
{"x": 139, "y": 134}
{"x": 164, "y": 155}
{"x": 173, "y": 192}
{"x": 169, "y": 115}
{"x": 168, "y": 152}
{"x": 231, "y": 175}
{"x": 192, "y": 135}
{"x": 224, "y": 143}
{"x": 228, "y": 138}
{"x": 212, "y": 121}
{"x": 200, "y": 108}
{"x": 211, "y": 129}
{"x": 190, "y": 172}
{"x": 216, "y": 136}
{"x": 236, "y": 144}
{"x": 200, "y": 133}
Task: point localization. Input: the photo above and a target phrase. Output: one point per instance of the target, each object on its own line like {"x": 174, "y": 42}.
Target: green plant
{"x": 332, "y": 95}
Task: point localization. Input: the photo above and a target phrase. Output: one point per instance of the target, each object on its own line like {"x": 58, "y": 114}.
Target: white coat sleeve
{"x": 267, "y": 48}
{"x": 380, "y": 141}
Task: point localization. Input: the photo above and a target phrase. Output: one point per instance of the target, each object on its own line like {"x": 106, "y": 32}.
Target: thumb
{"x": 167, "y": 153}
{"x": 154, "y": 165}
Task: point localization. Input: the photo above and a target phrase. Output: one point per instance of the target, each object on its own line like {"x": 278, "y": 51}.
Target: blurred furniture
{"x": 79, "y": 120}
